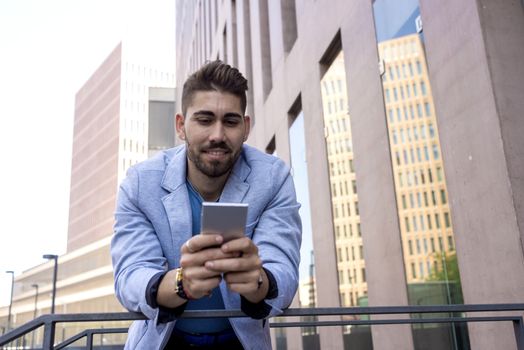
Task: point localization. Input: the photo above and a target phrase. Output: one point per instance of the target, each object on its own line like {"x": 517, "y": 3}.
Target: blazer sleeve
{"x": 135, "y": 249}
{"x": 278, "y": 236}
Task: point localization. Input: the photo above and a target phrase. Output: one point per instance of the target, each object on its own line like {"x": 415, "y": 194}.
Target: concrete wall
{"x": 474, "y": 53}
{"x": 475, "y": 57}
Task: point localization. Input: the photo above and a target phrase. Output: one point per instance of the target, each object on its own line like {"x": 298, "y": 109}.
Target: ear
{"x": 180, "y": 126}
{"x": 247, "y": 126}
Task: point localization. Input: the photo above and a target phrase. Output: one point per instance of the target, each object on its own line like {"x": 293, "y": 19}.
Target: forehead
{"x": 217, "y": 101}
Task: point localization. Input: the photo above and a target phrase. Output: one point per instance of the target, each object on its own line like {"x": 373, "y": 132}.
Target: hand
{"x": 198, "y": 281}
{"x": 243, "y": 271}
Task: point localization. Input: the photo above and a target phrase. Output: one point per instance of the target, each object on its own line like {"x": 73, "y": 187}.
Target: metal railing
{"x": 512, "y": 313}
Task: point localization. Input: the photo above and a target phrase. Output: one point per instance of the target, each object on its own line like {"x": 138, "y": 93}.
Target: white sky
{"x": 48, "y": 50}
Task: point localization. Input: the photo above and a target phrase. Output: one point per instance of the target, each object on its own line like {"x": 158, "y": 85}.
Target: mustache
{"x": 217, "y": 145}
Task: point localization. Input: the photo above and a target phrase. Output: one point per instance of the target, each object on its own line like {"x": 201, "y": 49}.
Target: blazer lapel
{"x": 176, "y": 203}
{"x": 236, "y": 186}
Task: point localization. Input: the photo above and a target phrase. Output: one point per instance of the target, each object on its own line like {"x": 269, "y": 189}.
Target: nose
{"x": 217, "y": 132}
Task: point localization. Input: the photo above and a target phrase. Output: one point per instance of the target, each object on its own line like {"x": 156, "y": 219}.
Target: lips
{"x": 216, "y": 153}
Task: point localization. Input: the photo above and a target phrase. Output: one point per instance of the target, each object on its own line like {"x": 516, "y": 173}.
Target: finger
{"x": 188, "y": 247}
{"x": 199, "y": 258}
{"x": 201, "y": 287}
{"x": 242, "y": 277}
{"x": 243, "y": 288}
{"x": 244, "y": 245}
{"x": 199, "y": 242}
{"x": 244, "y": 263}
{"x": 200, "y": 273}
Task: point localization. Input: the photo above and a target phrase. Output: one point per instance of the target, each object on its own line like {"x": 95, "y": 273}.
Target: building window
{"x": 428, "y": 109}
{"x": 435, "y": 152}
{"x": 419, "y": 225}
{"x": 443, "y": 196}
{"x": 450, "y": 243}
{"x": 446, "y": 220}
{"x": 437, "y": 221}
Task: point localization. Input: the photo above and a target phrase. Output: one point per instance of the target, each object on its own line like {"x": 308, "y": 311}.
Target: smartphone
{"x": 226, "y": 219}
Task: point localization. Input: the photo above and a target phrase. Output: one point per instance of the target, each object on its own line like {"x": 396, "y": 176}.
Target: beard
{"x": 214, "y": 168}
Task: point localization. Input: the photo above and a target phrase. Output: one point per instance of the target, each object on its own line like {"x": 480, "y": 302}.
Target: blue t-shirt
{"x": 214, "y": 301}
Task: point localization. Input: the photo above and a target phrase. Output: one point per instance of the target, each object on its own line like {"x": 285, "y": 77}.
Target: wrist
{"x": 261, "y": 290}
{"x": 179, "y": 285}
{"x": 166, "y": 295}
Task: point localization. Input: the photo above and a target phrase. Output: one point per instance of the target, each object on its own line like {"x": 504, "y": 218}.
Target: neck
{"x": 209, "y": 188}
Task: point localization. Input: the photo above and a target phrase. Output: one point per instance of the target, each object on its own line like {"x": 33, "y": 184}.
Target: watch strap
{"x": 179, "y": 284}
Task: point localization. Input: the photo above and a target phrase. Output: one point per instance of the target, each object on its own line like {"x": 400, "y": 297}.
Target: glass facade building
{"x": 400, "y": 120}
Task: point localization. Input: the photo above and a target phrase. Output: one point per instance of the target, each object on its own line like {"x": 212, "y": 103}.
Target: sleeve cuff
{"x": 152, "y": 289}
{"x": 164, "y": 314}
{"x": 261, "y": 309}
{"x": 272, "y": 291}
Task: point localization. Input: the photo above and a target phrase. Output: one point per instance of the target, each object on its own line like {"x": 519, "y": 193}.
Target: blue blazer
{"x": 153, "y": 220}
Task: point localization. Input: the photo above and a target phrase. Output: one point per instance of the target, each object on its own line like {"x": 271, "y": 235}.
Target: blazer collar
{"x": 175, "y": 174}
{"x": 234, "y": 190}
{"x": 236, "y": 186}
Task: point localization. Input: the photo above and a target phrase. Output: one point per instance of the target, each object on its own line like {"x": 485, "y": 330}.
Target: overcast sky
{"x": 48, "y": 50}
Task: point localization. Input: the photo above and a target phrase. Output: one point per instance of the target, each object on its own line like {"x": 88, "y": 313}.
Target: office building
{"x": 123, "y": 114}
{"x": 402, "y": 123}
{"x": 110, "y": 134}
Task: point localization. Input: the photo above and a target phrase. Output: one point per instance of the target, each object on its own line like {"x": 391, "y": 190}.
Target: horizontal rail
{"x": 391, "y": 321}
{"x": 89, "y": 333}
{"x": 49, "y": 321}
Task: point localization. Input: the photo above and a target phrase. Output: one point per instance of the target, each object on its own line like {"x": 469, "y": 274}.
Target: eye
{"x": 203, "y": 120}
{"x": 231, "y": 122}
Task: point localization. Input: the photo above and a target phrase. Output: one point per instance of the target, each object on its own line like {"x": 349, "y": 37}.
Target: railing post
{"x": 89, "y": 342}
{"x": 49, "y": 335}
{"x": 518, "y": 327}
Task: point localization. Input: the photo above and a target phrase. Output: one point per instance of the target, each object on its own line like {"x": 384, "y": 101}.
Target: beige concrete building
{"x": 110, "y": 134}
{"x": 123, "y": 114}
{"x": 469, "y": 83}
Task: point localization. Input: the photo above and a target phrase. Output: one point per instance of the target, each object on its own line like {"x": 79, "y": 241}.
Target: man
{"x": 163, "y": 265}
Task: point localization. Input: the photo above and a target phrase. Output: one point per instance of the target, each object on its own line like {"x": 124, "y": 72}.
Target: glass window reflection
{"x": 307, "y": 294}
{"x": 344, "y": 196}
{"x": 399, "y": 31}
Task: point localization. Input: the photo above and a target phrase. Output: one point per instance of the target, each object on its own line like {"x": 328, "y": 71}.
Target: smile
{"x": 216, "y": 153}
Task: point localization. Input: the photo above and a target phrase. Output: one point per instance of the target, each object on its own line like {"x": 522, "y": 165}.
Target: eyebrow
{"x": 203, "y": 112}
{"x": 211, "y": 114}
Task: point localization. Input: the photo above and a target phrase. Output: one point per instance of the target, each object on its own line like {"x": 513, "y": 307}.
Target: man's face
{"x": 214, "y": 129}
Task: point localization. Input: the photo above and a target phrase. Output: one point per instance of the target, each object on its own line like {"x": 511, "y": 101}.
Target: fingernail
{"x": 219, "y": 239}
{"x": 210, "y": 264}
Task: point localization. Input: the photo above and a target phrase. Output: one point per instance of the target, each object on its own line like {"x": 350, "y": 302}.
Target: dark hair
{"x": 218, "y": 76}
